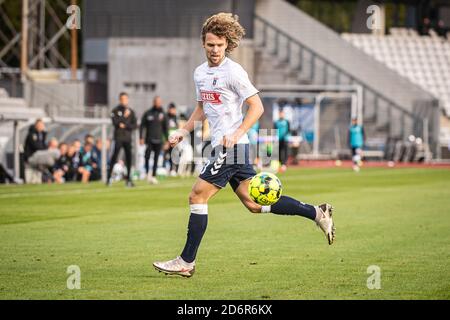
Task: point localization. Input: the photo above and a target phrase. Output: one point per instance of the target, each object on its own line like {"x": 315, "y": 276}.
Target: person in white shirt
{"x": 222, "y": 86}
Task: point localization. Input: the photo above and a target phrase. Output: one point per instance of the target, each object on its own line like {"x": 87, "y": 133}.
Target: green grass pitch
{"x": 396, "y": 219}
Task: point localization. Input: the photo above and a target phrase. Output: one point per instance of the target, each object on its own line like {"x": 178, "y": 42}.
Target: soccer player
{"x": 222, "y": 86}
{"x": 283, "y": 127}
{"x": 356, "y": 141}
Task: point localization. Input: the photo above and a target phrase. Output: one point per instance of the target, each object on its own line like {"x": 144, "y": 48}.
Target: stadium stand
{"x": 424, "y": 60}
{"x": 293, "y": 47}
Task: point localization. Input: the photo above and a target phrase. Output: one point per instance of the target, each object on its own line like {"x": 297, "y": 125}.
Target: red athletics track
{"x": 367, "y": 164}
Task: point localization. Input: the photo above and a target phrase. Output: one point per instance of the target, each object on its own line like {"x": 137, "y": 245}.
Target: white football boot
{"x": 176, "y": 266}
{"x": 326, "y": 222}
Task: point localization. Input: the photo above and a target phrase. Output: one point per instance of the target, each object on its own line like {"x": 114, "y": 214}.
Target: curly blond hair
{"x": 224, "y": 25}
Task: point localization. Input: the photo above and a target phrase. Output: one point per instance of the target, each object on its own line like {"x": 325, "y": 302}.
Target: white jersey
{"x": 223, "y": 89}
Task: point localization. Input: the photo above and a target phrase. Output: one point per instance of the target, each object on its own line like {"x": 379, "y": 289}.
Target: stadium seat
{"x": 424, "y": 60}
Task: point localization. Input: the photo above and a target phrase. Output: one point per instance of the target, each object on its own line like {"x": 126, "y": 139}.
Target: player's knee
{"x": 196, "y": 197}
{"x": 191, "y": 198}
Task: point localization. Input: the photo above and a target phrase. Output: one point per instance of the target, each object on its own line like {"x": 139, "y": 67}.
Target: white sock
{"x": 187, "y": 264}
{"x": 265, "y": 209}
{"x": 319, "y": 213}
{"x": 199, "y": 208}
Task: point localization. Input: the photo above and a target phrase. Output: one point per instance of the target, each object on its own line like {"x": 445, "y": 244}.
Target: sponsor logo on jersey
{"x": 211, "y": 97}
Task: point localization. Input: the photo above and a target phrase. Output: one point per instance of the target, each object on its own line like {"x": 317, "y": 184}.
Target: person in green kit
{"x": 356, "y": 141}
{"x": 283, "y": 127}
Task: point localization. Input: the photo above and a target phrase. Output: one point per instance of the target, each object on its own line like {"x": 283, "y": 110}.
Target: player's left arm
{"x": 255, "y": 111}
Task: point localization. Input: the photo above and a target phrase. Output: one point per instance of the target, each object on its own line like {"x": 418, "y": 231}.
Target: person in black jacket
{"x": 152, "y": 131}
{"x": 36, "y": 139}
{"x": 124, "y": 121}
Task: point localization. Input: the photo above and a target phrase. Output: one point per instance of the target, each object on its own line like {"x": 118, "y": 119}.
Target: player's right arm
{"x": 198, "y": 115}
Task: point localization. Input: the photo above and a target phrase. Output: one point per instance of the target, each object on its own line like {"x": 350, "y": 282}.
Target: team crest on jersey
{"x": 211, "y": 97}
{"x": 215, "y": 81}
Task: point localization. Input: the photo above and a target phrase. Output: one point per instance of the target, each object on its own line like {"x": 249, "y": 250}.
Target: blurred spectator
{"x": 426, "y": 26}
{"x": 124, "y": 121}
{"x": 73, "y": 162}
{"x": 76, "y": 158}
{"x": 62, "y": 165}
{"x": 441, "y": 29}
{"x": 77, "y": 145}
{"x": 172, "y": 125}
{"x": 88, "y": 138}
{"x": 42, "y": 162}
{"x": 36, "y": 139}
{"x": 283, "y": 127}
{"x": 152, "y": 131}
{"x": 88, "y": 169}
{"x": 356, "y": 141}
{"x": 97, "y": 151}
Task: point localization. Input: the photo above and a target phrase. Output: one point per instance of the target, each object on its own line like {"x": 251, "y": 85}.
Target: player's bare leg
{"x": 321, "y": 214}
{"x": 184, "y": 265}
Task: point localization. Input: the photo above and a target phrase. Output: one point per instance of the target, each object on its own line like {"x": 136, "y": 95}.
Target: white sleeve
{"x": 197, "y": 90}
{"x": 241, "y": 85}
{"x": 197, "y": 93}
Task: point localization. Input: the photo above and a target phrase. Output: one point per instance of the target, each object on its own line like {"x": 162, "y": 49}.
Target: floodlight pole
{"x": 42, "y": 34}
{"x": 74, "y": 48}
{"x": 24, "y": 48}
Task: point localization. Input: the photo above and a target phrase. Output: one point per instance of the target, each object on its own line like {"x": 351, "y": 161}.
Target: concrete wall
{"x": 136, "y": 65}
{"x": 158, "y": 18}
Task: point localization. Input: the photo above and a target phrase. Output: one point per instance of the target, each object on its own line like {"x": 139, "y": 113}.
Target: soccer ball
{"x": 265, "y": 188}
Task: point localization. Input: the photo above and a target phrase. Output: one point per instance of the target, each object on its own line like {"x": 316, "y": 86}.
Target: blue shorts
{"x": 228, "y": 165}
